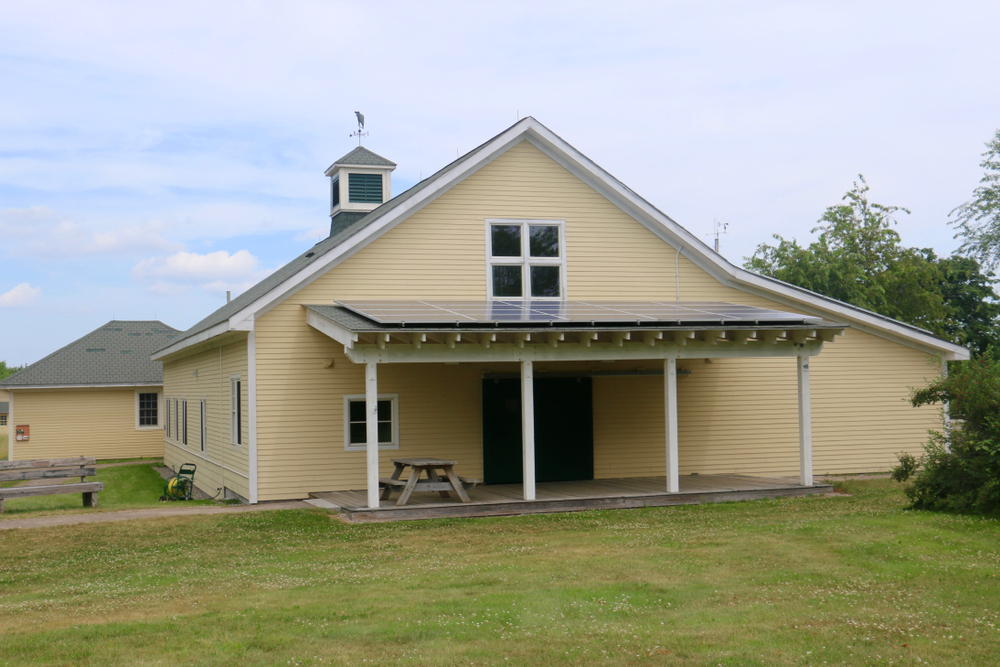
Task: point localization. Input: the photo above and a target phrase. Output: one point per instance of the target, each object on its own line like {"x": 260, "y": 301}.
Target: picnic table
{"x": 444, "y": 482}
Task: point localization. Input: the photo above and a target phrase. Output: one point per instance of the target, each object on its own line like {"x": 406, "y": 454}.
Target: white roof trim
{"x": 201, "y": 337}
{"x": 614, "y": 190}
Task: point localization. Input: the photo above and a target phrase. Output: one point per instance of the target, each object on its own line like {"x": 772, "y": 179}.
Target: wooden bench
{"x": 81, "y": 467}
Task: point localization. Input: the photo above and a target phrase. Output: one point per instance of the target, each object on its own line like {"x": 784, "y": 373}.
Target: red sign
{"x": 21, "y": 432}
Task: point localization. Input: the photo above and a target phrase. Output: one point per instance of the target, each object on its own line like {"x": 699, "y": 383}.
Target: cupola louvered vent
{"x": 364, "y": 188}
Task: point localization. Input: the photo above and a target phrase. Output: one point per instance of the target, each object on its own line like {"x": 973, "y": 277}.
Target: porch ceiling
{"x": 720, "y": 330}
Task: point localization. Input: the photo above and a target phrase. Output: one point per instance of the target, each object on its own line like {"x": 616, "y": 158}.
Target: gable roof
{"x": 117, "y": 353}
{"x": 361, "y": 157}
{"x": 350, "y": 238}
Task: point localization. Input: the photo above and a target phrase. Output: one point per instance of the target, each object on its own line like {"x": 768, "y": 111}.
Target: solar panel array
{"x": 567, "y": 312}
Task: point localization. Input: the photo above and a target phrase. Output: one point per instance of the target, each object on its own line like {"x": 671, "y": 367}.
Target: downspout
{"x": 222, "y": 468}
{"x": 677, "y": 273}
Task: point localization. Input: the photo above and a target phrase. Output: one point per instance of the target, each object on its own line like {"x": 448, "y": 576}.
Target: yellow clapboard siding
{"x": 83, "y": 422}
{"x": 735, "y": 415}
{"x": 207, "y": 375}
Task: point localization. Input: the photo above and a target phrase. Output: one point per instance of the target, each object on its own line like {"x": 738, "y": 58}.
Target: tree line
{"x": 860, "y": 259}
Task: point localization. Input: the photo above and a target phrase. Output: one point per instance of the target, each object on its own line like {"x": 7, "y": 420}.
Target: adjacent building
{"x": 99, "y": 396}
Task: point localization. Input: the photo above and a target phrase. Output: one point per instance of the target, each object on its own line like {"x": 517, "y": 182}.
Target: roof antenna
{"x": 720, "y": 229}
{"x": 361, "y": 127}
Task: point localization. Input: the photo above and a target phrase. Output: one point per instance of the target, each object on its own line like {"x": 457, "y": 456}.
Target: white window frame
{"x": 168, "y": 422}
{"x": 3, "y": 420}
{"x": 177, "y": 420}
{"x": 348, "y": 447}
{"x": 183, "y": 430}
{"x": 525, "y": 261}
{"x": 203, "y": 424}
{"x": 159, "y": 410}
{"x": 235, "y": 411}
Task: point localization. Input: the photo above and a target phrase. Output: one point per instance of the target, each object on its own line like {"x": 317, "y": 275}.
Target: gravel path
{"x": 128, "y": 515}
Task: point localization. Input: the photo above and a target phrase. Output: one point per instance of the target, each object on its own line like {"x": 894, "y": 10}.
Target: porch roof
{"x": 705, "y": 329}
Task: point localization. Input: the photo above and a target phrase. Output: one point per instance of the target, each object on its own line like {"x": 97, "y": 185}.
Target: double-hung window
{"x": 202, "y": 424}
{"x": 356, "y": 422}
{"x": 527, "y": 259}
{"x": 177, "y": 419}
{"x": 184, "y": 422}
{"x": 166, "y": 412}
{"x": 147, "y": 410}
{"x": 236, "y": 410}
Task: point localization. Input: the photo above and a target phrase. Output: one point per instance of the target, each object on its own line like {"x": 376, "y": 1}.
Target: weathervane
{"x": 361, "y": 127}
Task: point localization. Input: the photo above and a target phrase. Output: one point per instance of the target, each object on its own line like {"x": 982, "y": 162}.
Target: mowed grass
{"x": 125, "y": 487}
{"x": 834, "y": 580}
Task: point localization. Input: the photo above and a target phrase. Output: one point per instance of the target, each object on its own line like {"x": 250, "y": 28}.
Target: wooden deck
{"x": 507, "y": 499}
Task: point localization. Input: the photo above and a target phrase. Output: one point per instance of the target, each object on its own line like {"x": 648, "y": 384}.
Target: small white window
{"x": 147, "y": 410}
{"x": 356, "y": 422}
{"x": 168, "y": 429}
{"x": 236, "y": 409}
{"x": 3, "y": 420}
{"x": 202, "y": 424}
{"x": 526, "y": 259}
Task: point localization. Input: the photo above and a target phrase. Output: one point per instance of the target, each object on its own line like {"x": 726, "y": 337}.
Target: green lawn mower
{"x": 181, "y": 485}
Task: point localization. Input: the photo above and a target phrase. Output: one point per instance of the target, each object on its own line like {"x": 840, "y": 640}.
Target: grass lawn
{"x": 125, "y": 487}
{"x": 843, "y": 580}
{"x": 4, "y": 434}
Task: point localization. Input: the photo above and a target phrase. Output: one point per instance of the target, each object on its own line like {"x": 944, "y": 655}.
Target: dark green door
{"x": 564, "y": 430}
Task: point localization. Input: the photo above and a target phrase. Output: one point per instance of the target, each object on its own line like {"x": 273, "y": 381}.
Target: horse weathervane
{"x": 360, "y": 132}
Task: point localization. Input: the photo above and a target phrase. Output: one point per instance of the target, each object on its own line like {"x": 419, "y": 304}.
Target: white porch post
{"x": 528, "y": 427}
{"x": 371, "y": 406}
{"x": 670, "y": 396}
{"x": 805, "y": 423}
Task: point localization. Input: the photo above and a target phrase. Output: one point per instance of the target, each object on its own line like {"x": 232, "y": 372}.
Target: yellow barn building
{"x": 523, "y": 313}
{"x": 99, "y": 396}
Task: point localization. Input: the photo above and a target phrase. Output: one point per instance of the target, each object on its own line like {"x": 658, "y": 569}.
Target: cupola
{"x": 359, "y": 182}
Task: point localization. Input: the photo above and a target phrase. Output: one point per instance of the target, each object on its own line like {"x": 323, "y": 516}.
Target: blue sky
{"x": 154, "y": 156}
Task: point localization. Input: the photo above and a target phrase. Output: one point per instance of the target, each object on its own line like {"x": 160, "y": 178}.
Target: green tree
{"x": 960, "y": 468}
{"x": 973, "y": 304}
{"x": 859, "y": 259}
{"x": 6, "y": 371}
{"x": 978, "y": 220}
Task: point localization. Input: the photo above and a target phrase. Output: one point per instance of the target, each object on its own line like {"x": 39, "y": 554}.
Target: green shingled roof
{"x": 362, "y": 157}
{"x": 116, "y": 353}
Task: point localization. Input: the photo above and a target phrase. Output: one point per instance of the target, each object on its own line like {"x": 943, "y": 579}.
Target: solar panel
{"x": 508, "y": 311}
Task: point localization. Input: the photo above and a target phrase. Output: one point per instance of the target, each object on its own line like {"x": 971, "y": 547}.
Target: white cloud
{"x": 21, "y": 295}
{"x": 42, "y": 232}
{"x": 214, "y": 272}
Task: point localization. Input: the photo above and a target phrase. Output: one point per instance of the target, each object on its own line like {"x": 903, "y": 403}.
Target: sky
{"x": 155, "y": 155}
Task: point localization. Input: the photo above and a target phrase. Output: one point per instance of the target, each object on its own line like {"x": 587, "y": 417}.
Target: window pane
{"x": 385, "y": 411}
{"x": 359, "y": 434}
{"x": 543, "y": 241}
{"x": 357, "y": 411}
{"x": 507, "y": 281}
{"x": 545, "y": 281}
{"x": 385, "y": 432}
{"x": 506, "y": 240}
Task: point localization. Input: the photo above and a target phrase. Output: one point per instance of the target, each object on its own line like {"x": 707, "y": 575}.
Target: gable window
{"x": 364, "y": 188}
{"x": 356, "y": 422}
{"x": 147, "y": 410}
{"x": 527, "y": 259}
{"x": 236, "y": 410}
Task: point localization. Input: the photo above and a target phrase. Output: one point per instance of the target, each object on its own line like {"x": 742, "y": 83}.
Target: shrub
{"x": 960, "y": 467}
